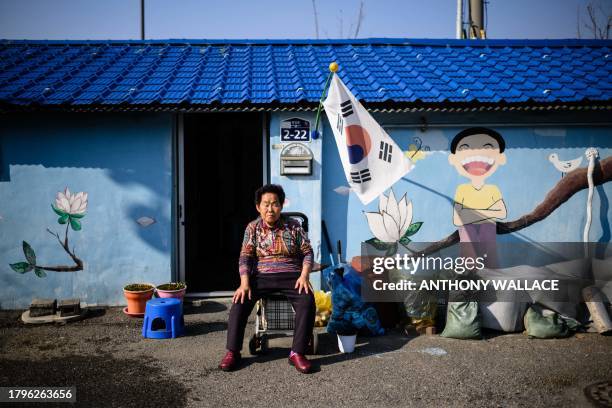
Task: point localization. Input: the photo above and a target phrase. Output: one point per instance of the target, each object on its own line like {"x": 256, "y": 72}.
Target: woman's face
{"x": 269, "y": 208}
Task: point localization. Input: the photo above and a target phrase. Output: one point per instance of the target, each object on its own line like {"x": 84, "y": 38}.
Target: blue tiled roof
{"x": 199, "y": 72}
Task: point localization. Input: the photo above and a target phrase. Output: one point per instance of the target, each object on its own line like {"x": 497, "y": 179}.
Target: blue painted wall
{"x": 523, "y": 181}
{"x": 124, "y": 163}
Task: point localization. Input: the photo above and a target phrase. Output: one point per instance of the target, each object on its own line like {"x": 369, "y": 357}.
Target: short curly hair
{"x": 270, "y": 188}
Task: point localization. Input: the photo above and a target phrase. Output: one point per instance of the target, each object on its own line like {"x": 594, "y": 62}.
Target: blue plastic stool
{"x": 163, "y": 319}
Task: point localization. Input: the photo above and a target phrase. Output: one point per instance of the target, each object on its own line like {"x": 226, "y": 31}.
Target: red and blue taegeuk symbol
{"x": 358, "y": 143}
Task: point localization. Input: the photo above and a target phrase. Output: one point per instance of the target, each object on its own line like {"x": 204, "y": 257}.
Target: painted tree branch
{"x": 64, "y": 268}
{"x": 566, "y": 188}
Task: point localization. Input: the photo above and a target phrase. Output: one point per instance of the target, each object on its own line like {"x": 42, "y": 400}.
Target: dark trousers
{"x": 262, "y": 286}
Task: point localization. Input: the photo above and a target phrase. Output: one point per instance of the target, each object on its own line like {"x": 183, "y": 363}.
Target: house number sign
{"x": 295, "y": 130}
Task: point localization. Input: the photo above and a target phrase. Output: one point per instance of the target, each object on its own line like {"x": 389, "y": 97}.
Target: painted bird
{"x": 564, "y": 166}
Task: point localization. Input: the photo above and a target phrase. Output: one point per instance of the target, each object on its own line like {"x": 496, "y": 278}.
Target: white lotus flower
{"x": 393, "y": 219}
{"x": 71, "y": 203}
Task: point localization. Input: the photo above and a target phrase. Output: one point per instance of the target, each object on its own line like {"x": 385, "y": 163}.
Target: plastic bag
{"x": 324, "y": 307}
{"x": 462, "y": 321}
{"x": 420, "y": 305}
{"x": 543, "y": 323}
{"x": 349, "y": 312}
{"x": 503, "y": 316}
{"x": 323, "y": 301}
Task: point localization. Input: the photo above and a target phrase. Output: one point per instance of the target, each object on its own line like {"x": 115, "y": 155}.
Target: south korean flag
{"x": 372, "y": 161}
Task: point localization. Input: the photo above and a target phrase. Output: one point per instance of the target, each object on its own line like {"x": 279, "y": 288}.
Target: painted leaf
{"x": 405, "y": 240}
{"x": 147, "y": 221}
{"x": 392, "y": 249}
{"x": 63, "y": 219}
{"x": 343, "y": 190}
{"x": 378, "y": 244}
{"x": 21, "y": 267}
{"x": 29, "y": 253}
{"x": 413, "y": 229}
{"x": 40, "y": 273}
{"x": 58, "y": 211}
{"x": 75, "y": 224}
{"x": 77, "y": 215}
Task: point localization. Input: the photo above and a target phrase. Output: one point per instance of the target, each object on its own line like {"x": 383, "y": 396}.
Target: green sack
{"x": 542, "y": 323}
{"x": 462, "y": 321}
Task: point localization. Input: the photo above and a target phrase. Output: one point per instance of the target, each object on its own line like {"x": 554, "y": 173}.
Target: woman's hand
{"x": 303, "y": 283}
{"x": 241, "y": 293}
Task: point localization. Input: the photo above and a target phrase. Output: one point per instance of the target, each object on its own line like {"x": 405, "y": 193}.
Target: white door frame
{"x": 180, "y": 199}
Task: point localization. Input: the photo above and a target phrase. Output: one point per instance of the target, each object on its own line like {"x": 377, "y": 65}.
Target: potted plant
{"x": 137, "y": 295}
{"x": 171, "y": 290}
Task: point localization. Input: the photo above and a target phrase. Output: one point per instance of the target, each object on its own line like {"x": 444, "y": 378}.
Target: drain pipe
{"x": 592, "y": 294}
{"x": 591, "y": 155}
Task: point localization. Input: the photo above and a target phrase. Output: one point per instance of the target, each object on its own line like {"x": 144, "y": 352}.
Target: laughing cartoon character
{"x": 476, "y": 153}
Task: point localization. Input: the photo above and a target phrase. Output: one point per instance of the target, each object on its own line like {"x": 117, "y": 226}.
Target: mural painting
{"x": 476, "y": 153}
{"x": 564, "y": 166}
{"x": 392, "y": 224}
{"x": 479, "y": 208}
{"x": 71, "y": 209}
{"x": 417, "y": 151}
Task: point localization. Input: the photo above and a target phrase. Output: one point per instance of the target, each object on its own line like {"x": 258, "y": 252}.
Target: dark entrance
{"x": 223, "y": 168}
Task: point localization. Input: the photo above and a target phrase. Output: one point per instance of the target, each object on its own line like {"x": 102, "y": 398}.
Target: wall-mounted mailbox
{"x": 296, "y": 160}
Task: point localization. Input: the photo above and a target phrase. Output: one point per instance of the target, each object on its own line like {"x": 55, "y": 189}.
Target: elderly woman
{"x": 276, "y": 256}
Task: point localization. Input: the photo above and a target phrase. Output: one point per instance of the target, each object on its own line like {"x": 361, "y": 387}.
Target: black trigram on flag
{"x": 346, "y": 108}
{"x": 361, "y": 176}
{"x": 340, "y": 124}
{"x": 385, "y": 151}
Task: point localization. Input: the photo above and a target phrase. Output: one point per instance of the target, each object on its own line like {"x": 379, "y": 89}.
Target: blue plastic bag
{"x": 349, "y": 312}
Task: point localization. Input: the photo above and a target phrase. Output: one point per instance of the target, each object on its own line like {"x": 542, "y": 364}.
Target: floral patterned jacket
{"x": 283, "y": 248}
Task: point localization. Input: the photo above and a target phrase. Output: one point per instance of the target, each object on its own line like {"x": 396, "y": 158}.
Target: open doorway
{"x": 223, "y": 166}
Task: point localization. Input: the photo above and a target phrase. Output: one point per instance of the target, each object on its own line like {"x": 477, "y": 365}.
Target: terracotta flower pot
{"x": 171, "y": 290}
{"x": 137, "y": 296}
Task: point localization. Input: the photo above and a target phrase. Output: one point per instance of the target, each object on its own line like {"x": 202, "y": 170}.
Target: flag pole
{"x": 333, "y": 67}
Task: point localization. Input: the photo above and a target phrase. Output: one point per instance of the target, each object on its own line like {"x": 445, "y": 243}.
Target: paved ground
{"x": 113, "y": 366}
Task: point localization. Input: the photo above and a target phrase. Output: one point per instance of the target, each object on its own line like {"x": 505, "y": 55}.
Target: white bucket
{"x": 346, "y": 344}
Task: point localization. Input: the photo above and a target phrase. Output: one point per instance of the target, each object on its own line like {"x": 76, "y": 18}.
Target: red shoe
{"x": 300, "y": 363}
{"x": 230, "y": 361}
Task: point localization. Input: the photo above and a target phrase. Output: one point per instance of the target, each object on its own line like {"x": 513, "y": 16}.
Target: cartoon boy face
{"x": 476, "y": 156}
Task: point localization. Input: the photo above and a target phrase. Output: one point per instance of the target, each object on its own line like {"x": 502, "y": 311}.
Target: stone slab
{"x": 42, "y": 307}
{"x": 55, "y": 318}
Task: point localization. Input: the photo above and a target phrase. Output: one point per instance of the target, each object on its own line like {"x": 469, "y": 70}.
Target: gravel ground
{"x": 111, "y": 365}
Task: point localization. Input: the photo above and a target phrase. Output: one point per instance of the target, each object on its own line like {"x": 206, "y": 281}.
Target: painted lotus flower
{"x": 71, "y": 203}
{"x": 393, "y": 221}
{"x": 70, "y": 207}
